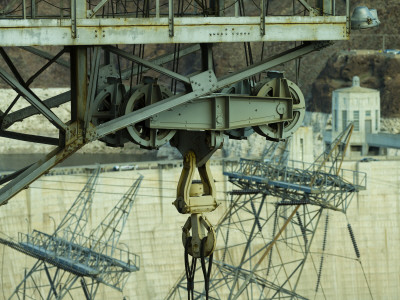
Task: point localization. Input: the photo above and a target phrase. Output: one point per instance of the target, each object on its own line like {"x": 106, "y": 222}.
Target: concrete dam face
{"x": 153, "y": 231}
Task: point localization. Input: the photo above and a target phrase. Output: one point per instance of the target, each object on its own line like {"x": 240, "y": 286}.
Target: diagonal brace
{"x": 148, "y": 64}
{"x": 93, "y": 11}
{"x": 161, "y": 60}
{"x": 307, "y": 6}
{"x": 46, "y": 55}
{"x": 43, "y": 109}
{"x": 30, "y": 174}
{"x": 29, "y": 111}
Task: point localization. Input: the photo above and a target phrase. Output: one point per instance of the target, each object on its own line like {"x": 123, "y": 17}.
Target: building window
{"x": 355, "y": 148}
{"x": 356, "y": 120}
{"x": 376, "y": 120}
{"x": 344, "y": 119}
{"x": 367, "y": 113}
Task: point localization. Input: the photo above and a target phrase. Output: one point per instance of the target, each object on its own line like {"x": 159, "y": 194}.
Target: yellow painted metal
{"x": 193, "y": 203}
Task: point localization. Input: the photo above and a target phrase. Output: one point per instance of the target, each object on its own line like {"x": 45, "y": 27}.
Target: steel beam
{"x": 29, "y": 111}
{"x": 224, "y": 112}
{"x": 53, "y": 32}
{"x": 46, "y": 55}
{"x": 147, "y": 63}
{"x": 43, "y": 109}
{"x": 202, "y": 89}
{"x": 29, "y": 175}
{"x": 30, "y": 138}
{"x": 79, "y": 88}
{"x": 92, "y": 12}
{"x": 160, "y": 61}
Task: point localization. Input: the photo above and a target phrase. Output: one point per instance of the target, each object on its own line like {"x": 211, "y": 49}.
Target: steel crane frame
{"x": 82, "y": 29}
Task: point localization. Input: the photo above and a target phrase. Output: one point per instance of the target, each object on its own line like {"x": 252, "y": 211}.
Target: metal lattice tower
{"x": 111, "y": 99}
{"x": 267, "y": 232}
{"x": 277, "y": 152}
{"x": 69, "y": 256}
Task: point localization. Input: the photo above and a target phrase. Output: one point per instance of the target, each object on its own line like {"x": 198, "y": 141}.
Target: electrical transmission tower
{"x": 267, "y": 232}
{"x": 184, "y": 101}
{"x": 69, "y": 256}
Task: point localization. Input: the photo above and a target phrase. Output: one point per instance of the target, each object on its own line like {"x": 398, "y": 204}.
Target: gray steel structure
{"x": 69, "y": 259}
{"x": 99, "y": 100}
{"x": 267, "y": 243}
{"x": 385, "y": 140}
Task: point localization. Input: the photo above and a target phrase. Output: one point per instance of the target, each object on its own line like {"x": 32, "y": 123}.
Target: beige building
{"x": 361, "y": 106}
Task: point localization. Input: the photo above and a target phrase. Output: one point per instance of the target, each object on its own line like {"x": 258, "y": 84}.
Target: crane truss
{"x": 87, "y": 30}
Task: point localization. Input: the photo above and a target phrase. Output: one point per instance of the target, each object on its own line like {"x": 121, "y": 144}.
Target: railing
{"x": 81, "y": 254}
{"x": 156, "y": 8}
{"x": 317, "y": 180}
{"x": 103, "y": 249}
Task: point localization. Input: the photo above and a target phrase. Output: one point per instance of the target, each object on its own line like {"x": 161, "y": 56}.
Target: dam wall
{"x": 153, "y": 231}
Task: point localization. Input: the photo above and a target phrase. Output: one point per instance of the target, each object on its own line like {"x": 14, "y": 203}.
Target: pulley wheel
{"x": 105, "y": 108}
{"x": 140, "y": 133}
{"x": 193, "y": 248}
{"x": 274, "y": 131}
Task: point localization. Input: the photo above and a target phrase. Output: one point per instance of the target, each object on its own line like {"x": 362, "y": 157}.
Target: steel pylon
{"x": 268, "y": 229}
{"x": 69, "y": 259}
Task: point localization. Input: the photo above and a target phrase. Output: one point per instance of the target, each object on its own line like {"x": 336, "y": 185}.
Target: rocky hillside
{"x": 376, "y": 70}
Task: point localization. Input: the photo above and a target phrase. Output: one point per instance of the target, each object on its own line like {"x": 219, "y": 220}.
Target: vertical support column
{"x": 262, "y": 17}
{"x": 171, "y": 17}
{"x": 78, "y": 11}
{"x": 325, "y": 7}
{"x": 79, "y": 71}
{"x": 78, "y": 82}
{"x": 348, "y": 26}
{"x": 236, "y": 8}
{"x": 221, "y": 8}
{"x": 33, "y": 9}
{"x": 24, "y": 9}
{"x": 157, "y": 9}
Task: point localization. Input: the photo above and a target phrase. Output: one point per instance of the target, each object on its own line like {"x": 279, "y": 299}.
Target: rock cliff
{"x": 376, "y": 70}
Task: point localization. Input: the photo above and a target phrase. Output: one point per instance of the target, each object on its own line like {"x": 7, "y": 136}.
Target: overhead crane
{"x": 100, "y": 37}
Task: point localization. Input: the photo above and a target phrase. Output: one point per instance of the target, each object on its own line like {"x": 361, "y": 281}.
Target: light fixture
{"x": 363, "y": 18}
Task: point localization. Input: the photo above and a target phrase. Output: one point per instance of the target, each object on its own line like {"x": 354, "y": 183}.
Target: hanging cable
{"x": 357, "y": 251}
{"x": 323, "y": 250}
{"x": 206, "y": 272}
{"x": 353, "y": 240}
{"x": 190, "y": 270}
{"x": 302, "y": 229}
{"x": 247, "y": 46}
{"x": 273, "y": 234}
{"x": 177, "y": 48}
{"x": 227, "y": 231}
